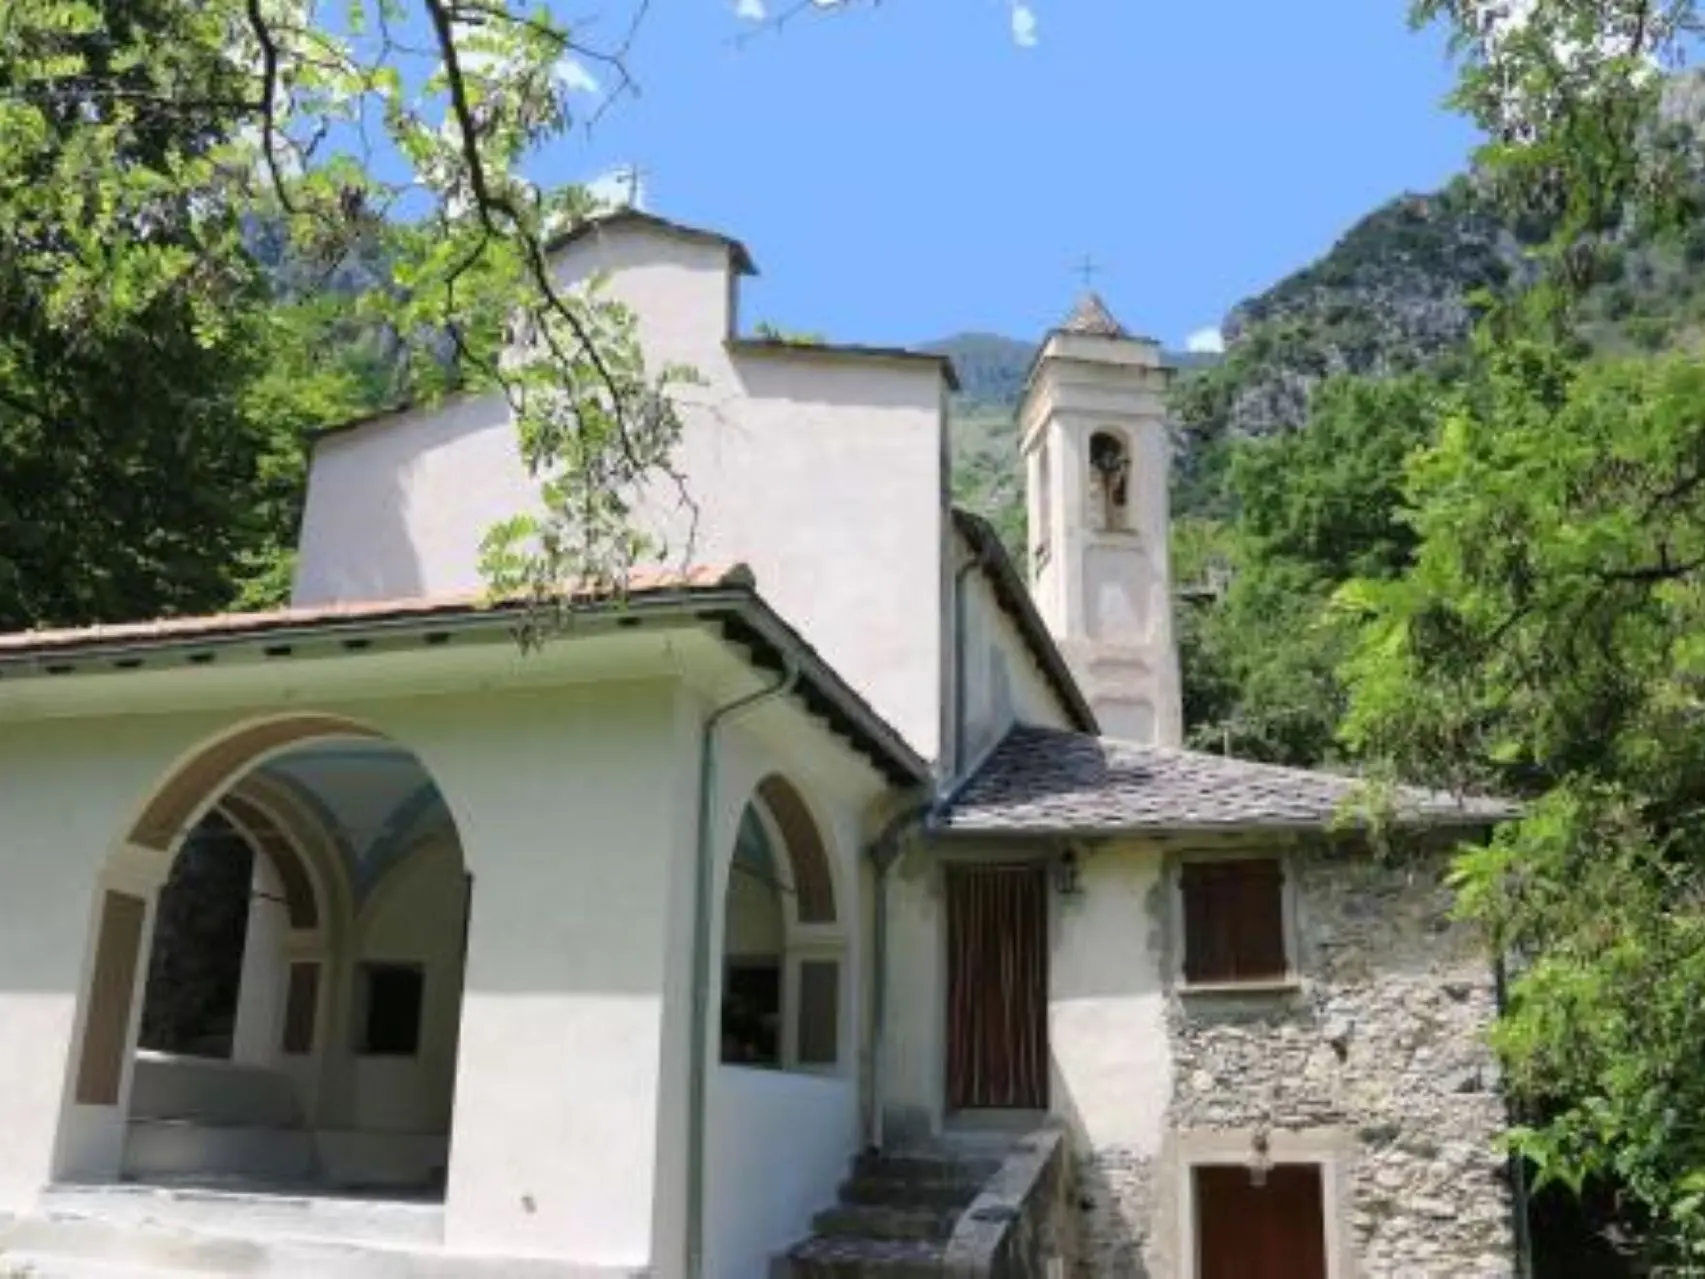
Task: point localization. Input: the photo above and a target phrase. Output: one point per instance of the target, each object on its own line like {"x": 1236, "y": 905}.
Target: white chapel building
{"x": 840, "y": 901}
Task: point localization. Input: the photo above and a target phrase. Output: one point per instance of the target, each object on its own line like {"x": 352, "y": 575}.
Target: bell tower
{"x": 1097, "y": 454}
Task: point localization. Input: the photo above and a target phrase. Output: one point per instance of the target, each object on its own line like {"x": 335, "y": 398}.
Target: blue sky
{"x": 910, "y": 170}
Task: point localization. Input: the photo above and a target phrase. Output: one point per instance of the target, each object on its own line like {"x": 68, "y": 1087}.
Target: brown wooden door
{"x": 997, "y": 987}
{"x": 1273, "y": 1231}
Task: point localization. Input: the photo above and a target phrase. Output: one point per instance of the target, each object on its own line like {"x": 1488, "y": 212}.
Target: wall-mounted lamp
{"x": 1066, "y": 878}
{"x": 1260, "y": 1158}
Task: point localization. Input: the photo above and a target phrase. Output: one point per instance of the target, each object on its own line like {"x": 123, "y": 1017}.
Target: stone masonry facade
{"x": 1377, "y": 1060}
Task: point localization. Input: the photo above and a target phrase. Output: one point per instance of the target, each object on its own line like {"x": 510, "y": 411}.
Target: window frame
{"x": 1289, "y": 932}
{"x": 802, "y": 943}
{"x": 823, "y": 950}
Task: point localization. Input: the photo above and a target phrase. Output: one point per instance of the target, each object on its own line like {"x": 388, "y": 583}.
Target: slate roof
{"x": 1046, "y": 780}
{"x": 1092, "y": 317}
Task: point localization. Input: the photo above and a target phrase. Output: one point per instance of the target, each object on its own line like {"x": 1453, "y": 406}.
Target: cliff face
{"x": 1392, "y": 294}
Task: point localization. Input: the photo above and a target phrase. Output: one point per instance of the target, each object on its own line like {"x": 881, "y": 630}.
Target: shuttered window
{"x": 1234, "y": 920}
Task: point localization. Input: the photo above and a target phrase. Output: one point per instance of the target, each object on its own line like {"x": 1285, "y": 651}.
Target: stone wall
{"x": 1375, "y": 1065}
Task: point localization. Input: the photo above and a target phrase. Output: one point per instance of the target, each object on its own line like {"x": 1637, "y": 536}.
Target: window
{"x": 751, "y": 1013}
{"x": 1234, "y": 920}
{"x": 781, "y": 970}
{"x": 391, "y": 996}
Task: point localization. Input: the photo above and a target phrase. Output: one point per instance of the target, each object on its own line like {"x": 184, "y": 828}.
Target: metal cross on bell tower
{"x": 1086, "y": 269}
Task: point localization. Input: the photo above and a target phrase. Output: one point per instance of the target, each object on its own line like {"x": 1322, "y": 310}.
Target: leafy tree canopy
{"x": 153, "y": 378}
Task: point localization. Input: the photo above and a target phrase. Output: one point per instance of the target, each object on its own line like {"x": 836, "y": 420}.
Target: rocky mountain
{"x": 1395, "y": 293}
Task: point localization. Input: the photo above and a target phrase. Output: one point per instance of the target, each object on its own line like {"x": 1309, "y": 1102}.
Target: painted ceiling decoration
{"x": 374, "y": 799}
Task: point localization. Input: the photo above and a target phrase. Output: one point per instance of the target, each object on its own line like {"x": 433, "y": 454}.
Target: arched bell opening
{"x": 1110, "y": 481}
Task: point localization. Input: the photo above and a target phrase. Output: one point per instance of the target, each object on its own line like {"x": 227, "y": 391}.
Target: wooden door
{"x": 1276, "y": 1230}
{"x": 997, "y": 987}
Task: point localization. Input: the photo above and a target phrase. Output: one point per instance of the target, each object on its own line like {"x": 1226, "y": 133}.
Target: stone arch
{"x": 194, "y": 782}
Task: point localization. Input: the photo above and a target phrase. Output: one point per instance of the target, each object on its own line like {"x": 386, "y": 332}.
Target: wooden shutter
{"x": 1205, "y": 955}
{"x": 1260, "y": 889}
{"x": 1234, "y": 921}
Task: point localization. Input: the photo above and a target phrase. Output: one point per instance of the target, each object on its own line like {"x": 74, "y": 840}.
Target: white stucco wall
{"x": 779, "y": 1148}
{"x": 1002, "y": 681}
{"x": 1111, "y": 1073}
{"x": 556, "y": 799}
{"x": 1112, "y": 1061}
{"x": 779, "y": 1143}
{"x": 576, "y": 809}
{"x": 1106, "y": 594}
{"x": 825, "y": 473}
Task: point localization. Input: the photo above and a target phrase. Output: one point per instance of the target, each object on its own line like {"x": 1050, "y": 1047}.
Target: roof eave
{"x": 1015, "y": 598}
{"x": 742, "y": 344}
{"x": 1253, "y": 830}
{"x": 769, "y": 642}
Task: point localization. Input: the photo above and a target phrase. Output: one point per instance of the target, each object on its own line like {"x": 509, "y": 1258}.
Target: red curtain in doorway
{"x": 997, "y": 987}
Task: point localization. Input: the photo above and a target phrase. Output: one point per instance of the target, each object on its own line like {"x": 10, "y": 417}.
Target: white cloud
{"x": 574, "y": 76}
{"x": 1023, "y": 26}
{"x": 620, "y": 188}
{"x": 751, "y": 10}
{"x": 1206, "y": 342}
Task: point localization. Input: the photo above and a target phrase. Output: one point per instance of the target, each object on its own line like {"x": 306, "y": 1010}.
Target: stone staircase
{"x": 895, "y": 1216}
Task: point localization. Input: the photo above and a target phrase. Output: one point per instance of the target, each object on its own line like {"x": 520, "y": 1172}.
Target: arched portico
{"x": 243, "y": 1016}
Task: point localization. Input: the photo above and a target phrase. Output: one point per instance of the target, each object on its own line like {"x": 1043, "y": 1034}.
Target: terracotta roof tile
{"x": 640, "y": 582}
{"x": 1044, "y": 780}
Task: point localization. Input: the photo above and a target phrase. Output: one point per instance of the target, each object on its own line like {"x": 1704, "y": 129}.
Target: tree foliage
{"x": 1545, "y": 641}
{"x": 1315, "y": 508}
{"x": 155, "y": 372}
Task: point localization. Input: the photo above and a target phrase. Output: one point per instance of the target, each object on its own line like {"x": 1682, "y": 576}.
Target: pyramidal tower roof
{"x": 1091, "y": 316}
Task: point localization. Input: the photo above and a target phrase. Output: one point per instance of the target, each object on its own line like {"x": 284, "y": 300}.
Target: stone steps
{"x": 832, "y": 1258}
{"x": 896, "y": 1213}
{"x": 927, "y": 1166}
{"x": 885, "y": 1192}
{"x": 884, "y": 1221}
